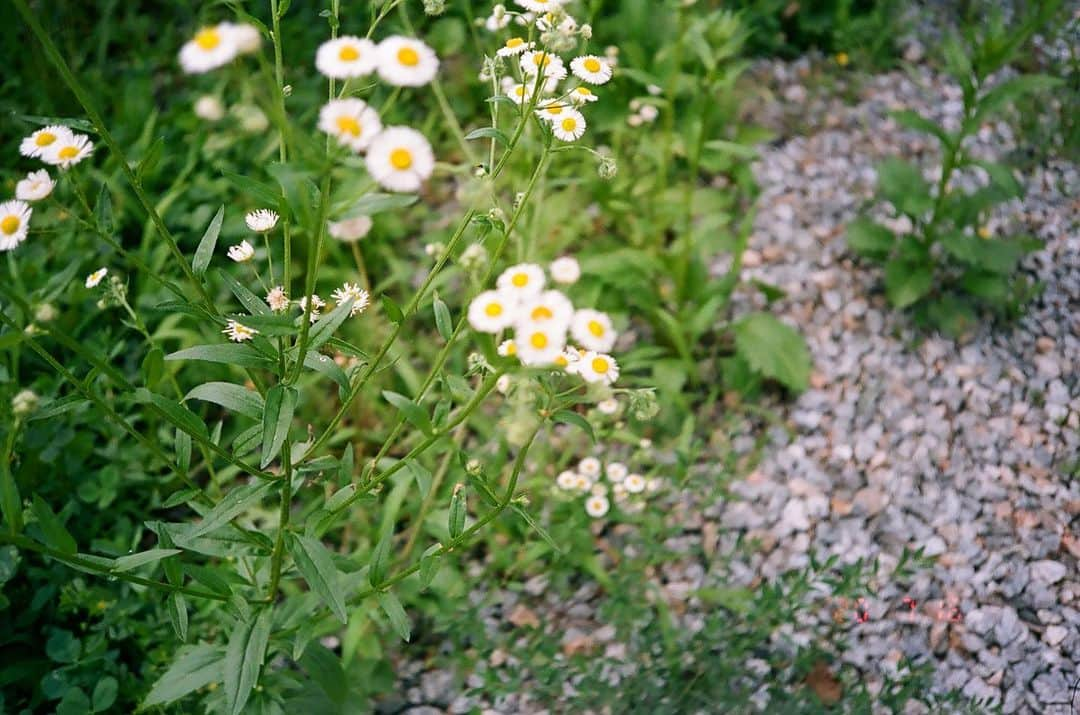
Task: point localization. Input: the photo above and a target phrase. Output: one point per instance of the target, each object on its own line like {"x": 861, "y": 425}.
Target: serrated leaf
{"x": 205, "y": 251}
{"x": 53, "y": 530}
{"x": 414, "y": 413}
{"x": 195, "y": 668}
{"x": 906, "y": 283}
{"x": 134, "y": 561}
{"x": 226, "y": 353}
{"x": 316, "y": 565}
{"x": 277, "y": 419}
{"x": 391, "y": 606}
{"x": 232, "y": 397}
{"x": 244, "y": 659}
{"x": 573, "y": 418}
{"x": 443, "y": 322}
{"x": 773, "y": 349}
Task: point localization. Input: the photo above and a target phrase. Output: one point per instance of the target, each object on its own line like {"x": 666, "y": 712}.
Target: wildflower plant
{"x": 261, "y": 474}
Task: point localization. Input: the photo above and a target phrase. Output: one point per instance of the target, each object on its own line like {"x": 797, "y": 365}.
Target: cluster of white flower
{"x": 217, "y": 45}
{"x": 602, "y": 483}
{"x": 641, "y": 113}
{"x": 543, "y": 320}
{"x": 279, "y": 302}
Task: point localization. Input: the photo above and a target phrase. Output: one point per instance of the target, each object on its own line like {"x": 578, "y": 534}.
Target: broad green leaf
{"x": 443, "y": 322}
{"x": 104, "y": 694}
{"x": 906, "y": 283}
{"x": 53, "y": 530}
{"x": 196, "y": 667}
{"x": 960, "y": 245}
{"x": 232, "y": 397}
{"x": 173, "y": 412}
{"x": 316, "y": 565}
{"x": 573, "y": 418}
{"x": 773, "y": 349}
{"x": 902, "y": 185}
{"x": 225, "y": 353}
{"x": 235, "y": 502}
{"x": 207, "y": 244}
{"x": 277, "y": 418}
{"x": 391, "y": 606}
{"x": 458, "y": 508}
{"x": 324, "y": 667}
{"x": 63, "y": 647}
{"x": 244, "y": 659}
{"x": 134, "y": 561}
{"x": 1002, "y": 179}
{"x": 414, "y": 413}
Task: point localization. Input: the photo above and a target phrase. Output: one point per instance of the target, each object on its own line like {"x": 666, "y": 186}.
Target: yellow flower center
{"x": 520, "y": 90}
{"x": 348, "y": 125}
{"x": 556, "y": 109}
{"x": 583, "y": 91}
{"x": 520, "y": 280}
{"x": 9, "y": 225}
{"x": 511, "y": 348}
{"x": 542, "y": 312}
{"x": 595, "y": 328}
{"x": 541, "y": 59}
{"x": 348, "y": 53}
{"x": 493, "y": 310}
{"x": 600, "y": 365}
{"x": 207, "y": 38}
{"x": 569, "y": 124}
{"x": 514, "y": 42}
{"x": 592, "y": 64}
{"x": 401, "y": 158}
{"x": 561, "y": 361}
{"x": 68, "y": 152}
{"x": 408, "y": 57}
{"x": 538, "y": 341}
{"x": 44, "y": 138}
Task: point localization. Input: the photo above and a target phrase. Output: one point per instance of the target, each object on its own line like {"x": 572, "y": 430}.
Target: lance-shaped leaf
{"x": 205, "y": 251}
{"x": 316, "y": 565}
{"x": 232, "y": 397}
{"x": 244, "y": 659}
{"x": 277, "y": 418}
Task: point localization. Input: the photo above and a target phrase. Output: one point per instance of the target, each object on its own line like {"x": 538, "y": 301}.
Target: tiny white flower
{"x": 634, "y": 483}
{"x": 582, "y": 95}
{"x": 24, "y": 402}
{"x": 212, "y": 47}
{"x": 597, "y": 506}
{"x": 14, "y": 223}
{"x": 317, "y": 304}
{"x": 400, "y": 159}
{"x": 491, "y": 312}
{"x": 261, "y": 220}
{"x": 507, "y": 348}
{"x": 351, "y": 121}
{"x": 593, "y": 330}
{"x": 406, "y": 62}
{"x": 609, "y": 406}
{"x": 565, "y": 270}
{"x": 352, "y": 291}
{"x": 653, "y": 89}
{"x": 36, "y": 186}
{"x": 591, "y": 69}
{"x": 210, "y": 108}
{"x": 346, "y": 57}
{"x": 649, "y": 113}
{"x": 502, "y": 384}
{"x": 616, "y": 471}
{"x": 350, "y": 229}
{"x": 540, "y": 5}
{"x": 567, "y": 480}
{"x": 238, "y": 332}
{"x": 39, "y": 142}
{"x": 569, "y": 127}
{"x": 539, "y": 345}
{"x": 497, "y": 20}
{"x": 514, "y": 46}
{"x": 583, "y": 483}
{"x": 598, "y": 367}
{"x": 96, "y": 277}
{"x": 590, "y": 467}
{"x": 524, "y": 280}
{"x": 242, "y": 252}
{"x": 68, "y": 150}
{"x": 277, "y": 300}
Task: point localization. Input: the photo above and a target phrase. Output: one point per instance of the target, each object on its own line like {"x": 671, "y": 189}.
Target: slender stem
{"x": 284, "y": 511}
{"x": 433, "y": 491}
{"x": 361, "y": 266}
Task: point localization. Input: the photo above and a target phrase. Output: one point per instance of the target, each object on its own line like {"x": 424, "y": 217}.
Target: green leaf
{"x": 380, "y": 558}
{"x": 134, "y": 561}
{"x": 458, "y": 508}
{"x": 104, "y": 694}
{"x": 10, "y": 502}
{"x": 338, "y": 499}
{"x": 178, "y": 616}
{"x": 316, "y": 565}
{"x": 1002, "y": 179}
{"x": 1012, "y": 89}
{"x": 182, "y": 447}
{"x": 225, "y": 353}
{"x": 324, "y": 667}
{"x": 232, "y": 397}
{"x": 413, "y": 412}
{"x": 324, "y": 328}
{"x": 153, "y": 366}
{"x": 173, "y": 412}
{"x": 391, "y": 606}
{"x": 906, "y": 283}
{"x": 277, "y": 418}
{"x": 917, "y": 122}
{"x": 244, "y": 659}
{"x": 902, "y": 185}
{"x": 429, "y": 565}
{"x": 235, "y": 502}
{"x": 197, "y": 667}
{"x": 52, "y": 529}
{"x": 103, "y": 210}
{"x": 488, "y": 133}
{"x": 573, "y": 418}
{"x": 207, "y": 244}
{"x": 150, "y": 159}
{"x": 869, "y": 239}
{"x": 63, "y": 647}
{"x": 325, "y": 365}
{"x": 261, "y": 193}
{"x": 393, "y": 311}
{"x": 79, "y": 125}
{"x": 251, "y": 302}
{"x": 371, "y": 204}
{"x": 773, "y": 349}
{"x": 443, "y": 322}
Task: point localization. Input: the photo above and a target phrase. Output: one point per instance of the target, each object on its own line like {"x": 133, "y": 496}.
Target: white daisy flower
{"x": 597, "y": 506}
{"x": 350, "y": 229}
{"x": 212, "y": 47}
{"x": 590, "y": 467}
{"x": 522, "y": 281}
{"x": 400, "y": 159}
{"x": 591, "y": 69}
{"x": 351, "y": 121}
{"x": 245, "y": 36}
{"x": 539, "y": 345}
{"x": 514, "y": 46}
{"x": 609, "y": 406}
{"x": 565, "y": 270}
{"x": 210, "y": 108}
{"x": 261, "y": 220}
{"x": 553, "y": 110}
{"x": 616, "y": 471}
{"x": 540, "y": 5}
{"x": 242, "y": 252}
{"x": 96, "y": 277}
{"x": 406, "y": 62}
{"x": 543, "y": 61}
{"x": 317, "y": 304}
{"x": 346, "y": 57}
{"x": 582, "y": 95}
{"x": 352, "y": 291}
{"x": 568, "y": 360}
{"x": 569, "y": 126}
{"x": 238, "y": 332}
{"x": 599, "y": 489}
{"x": 634, "y": 483}
{"x": 492, "y": 311}
{"x": 593, "y": 330}
{"x": 550, "y": 308}
{"x": 619, "y": 492}
{"x": 520, "y": 93}
{"x": 39, "y": 142}
{"x": 277, "y": 300}
{"x": 583, "y": 483}
{"x": 14, "y": 223}
{"x": 566, "y": 480}
{"x": 497, "y": 20}
{"x": 507, "y": 348}
{"x": 68, "y": 150}
{"x": 36, "y": 186}
{"x": 598, "y": 367}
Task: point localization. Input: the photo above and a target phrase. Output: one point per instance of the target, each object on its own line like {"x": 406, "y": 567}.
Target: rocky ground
{"x": 967, "y": 450}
